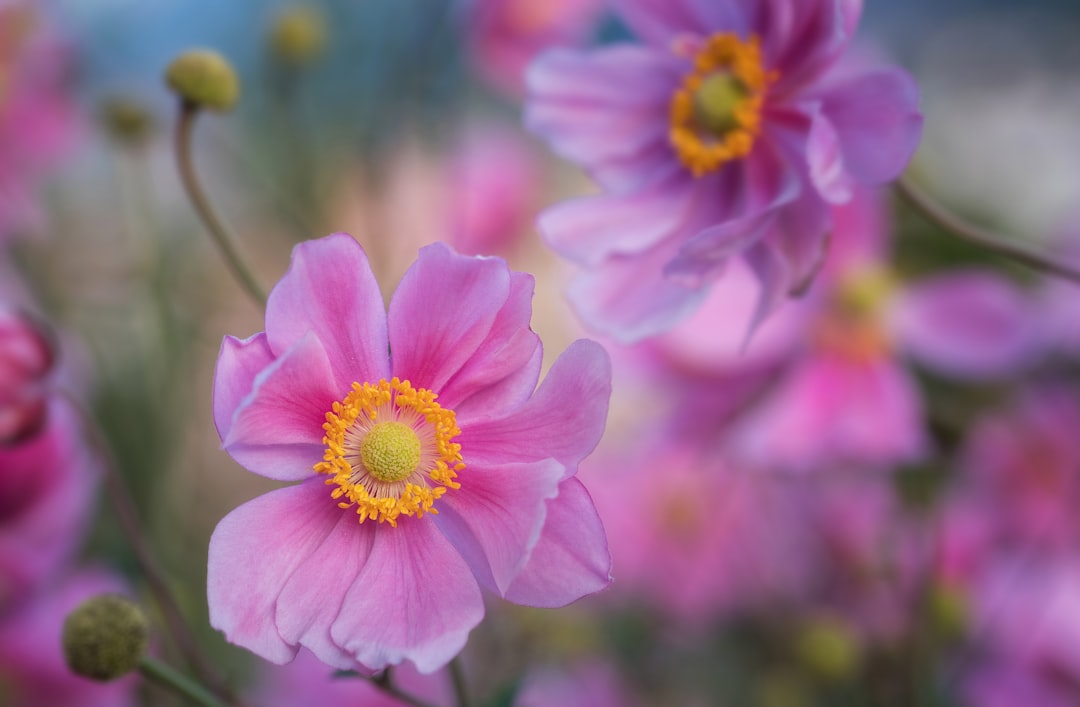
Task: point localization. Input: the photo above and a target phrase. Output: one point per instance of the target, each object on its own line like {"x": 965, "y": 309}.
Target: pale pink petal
{"x": 312, "y": 597}
{"x": 802, "y": 38}
{"x": 661, "y": 21}
{"x": 253, "y": 551}
{"x": 415, "y": 600}
{"x": 277, "y": 429}
{"x": 495, "y": 518}
{"x": 825, "y": 159}
{"x": 571, "y": 560}
{"x": 442, "y": 313}
{"x": 239, "y": 362}
{"x": 563, "y": 420}
{"x": 966, "y": 324}
{"x": 330, "y": 291}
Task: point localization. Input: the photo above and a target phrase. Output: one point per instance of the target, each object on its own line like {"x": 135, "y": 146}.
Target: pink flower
{"x": 727, "y": 133}
{"x": 505, "y": 35}
{"x": 429, "y": 466}
{"x": 26, "y": 359}
{"x": 46, "y": 491}
{"x": 33, "y": 672}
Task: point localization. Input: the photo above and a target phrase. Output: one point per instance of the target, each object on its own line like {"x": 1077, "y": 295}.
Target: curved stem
{"x": 938, "y": 215}
{"x": 184, "y": 125}
{"x": 166, "y": 676}
{"x": 385, "y": 682}
{"x": 457, "y": 676}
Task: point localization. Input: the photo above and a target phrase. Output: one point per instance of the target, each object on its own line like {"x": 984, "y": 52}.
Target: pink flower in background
{"x": 429, "y": 466}
{"x": 726, "y": 134}
{"x": 27, "y": 358}
{"x": 33, "y": 671}
{"x": 37, "y": 113}
{"x": 586, "y": 684}
{"x": 46, "y": 491}
{"x": 505, "y": 35}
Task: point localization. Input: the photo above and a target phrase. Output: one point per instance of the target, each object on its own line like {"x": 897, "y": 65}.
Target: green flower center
{"x": 390, "y": 451}
{"x": 715, "y": 102}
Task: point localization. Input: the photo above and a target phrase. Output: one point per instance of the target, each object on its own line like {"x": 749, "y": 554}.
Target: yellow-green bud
{"x": 126, "y": 120}
{"x": 298, "y": 36}
{"x": 204, "y": 78}
{"x": 828, "y": 647}
{"x": 949, "y": 610}
{"x": 105, "y": 637}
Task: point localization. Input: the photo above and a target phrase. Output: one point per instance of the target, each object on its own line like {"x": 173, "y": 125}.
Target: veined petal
{"x": 661, "y": 21}
{"x": 277, "y": 429}
{"x": 252, "y": 551}
{"x": 238, "y": 364}
{"x": 571, "y": 559}
{"x": 415, "y": 600}
{"x": 495, "y": 519}
{"x": 330, "y": 291}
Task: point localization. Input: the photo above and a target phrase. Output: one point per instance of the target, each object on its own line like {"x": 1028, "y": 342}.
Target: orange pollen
{"x": 716, "y": 111}
{"x": 390, "y": 451}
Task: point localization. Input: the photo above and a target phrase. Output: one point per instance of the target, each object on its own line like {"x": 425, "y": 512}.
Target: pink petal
{"x": 571, "y": 560}
{"x": 661, "y": 21}
{"x": 563, "y": 420}
{"x": 966, "y": 324}
{"x": 801, "y": 39}
{"x": 239, "y": 362}
{"x": 312, "y": 598}
{"x": 825, "y": 159}
{"x": 330, "y": 291}
{"x": 443, "y": 312}
{"x": 415, "y": 600}
{"x": 277, "y": 429}
{"x": 253, "y": 552}
{"x": 495, "y": 518}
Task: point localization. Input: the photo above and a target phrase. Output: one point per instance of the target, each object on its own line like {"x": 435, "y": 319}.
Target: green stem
{"x": 166, "y": 676}
{"x": 948, "y": 221}
{"x": 457, "y": 676}
{"x": 188, "y": 112}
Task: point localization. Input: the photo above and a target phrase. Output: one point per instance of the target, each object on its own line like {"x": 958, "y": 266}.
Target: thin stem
{"x": 166, "y": 676}
{"x": 457, "y": 676}
{"x": 385, "y": 682}
{"x": 128, "y": 519}
{"x": 938, "y": 215}
{"x": 188, "y": 112}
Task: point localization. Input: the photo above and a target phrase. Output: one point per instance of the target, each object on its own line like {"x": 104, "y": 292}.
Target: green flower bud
{"x": 829, "y": 648}
{"x": 105, "y": 637}
{"x": 204, "y": 78}
{"x": 298, "y": 36}
{"x": 126, "y": 121}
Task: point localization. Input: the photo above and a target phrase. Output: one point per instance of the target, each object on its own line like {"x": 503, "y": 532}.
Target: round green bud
{"x": 126, "y": 120}
{"x": 204, "y": 78}
{"x": 298, "y": 36}
{"x": 105, "y": 637}
{"x": 829, "y": 648}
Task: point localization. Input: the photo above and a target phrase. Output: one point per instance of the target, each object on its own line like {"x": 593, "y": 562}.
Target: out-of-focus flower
{"x": 46, "y": 491}
{"x": 33, "y": 672}
{"x": 26, "y": 359}
{"x": 727, "y": 134}
{"x": 505, "y": 35}
{"x": 37, "y": 114}
{"x": 407, "y": 505}
{"x": 588, "y": 684}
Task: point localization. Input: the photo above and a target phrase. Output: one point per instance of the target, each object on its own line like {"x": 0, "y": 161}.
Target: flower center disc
{"x": 390, "y": 451}
{"x": 716, "y": 111}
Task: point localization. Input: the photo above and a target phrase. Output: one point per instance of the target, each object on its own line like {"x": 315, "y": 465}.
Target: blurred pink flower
{"x": 726, "y": 134}
{"x": 33, "y": 672}
{"x": 337, "y": 392}
{"x": 46, "y": 491}
{"x": 37, "y": 112}
{"x": 505, "y": 35}
{"x": 586, "y": 684}
{"x": 27, "y": 357}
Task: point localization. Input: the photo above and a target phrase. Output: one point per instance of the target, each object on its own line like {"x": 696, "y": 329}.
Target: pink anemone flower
{"x": 728, "y": 133}
{"x": 429, "y": 464}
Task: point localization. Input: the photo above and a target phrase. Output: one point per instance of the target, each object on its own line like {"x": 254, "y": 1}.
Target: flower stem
{"x": 948, "y": 221}
{"x": 184, "y": 126}
{"x": 385, "y": 682}
{"x": 166, "y": 676}
{"x": 457, "y": 676}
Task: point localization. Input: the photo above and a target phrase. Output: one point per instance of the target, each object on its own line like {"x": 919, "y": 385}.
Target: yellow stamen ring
{"x": 716, "y": 111}
{"x": 390, "y": 451}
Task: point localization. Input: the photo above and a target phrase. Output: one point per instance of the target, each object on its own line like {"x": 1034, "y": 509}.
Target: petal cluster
{"x": 296, "y": 567}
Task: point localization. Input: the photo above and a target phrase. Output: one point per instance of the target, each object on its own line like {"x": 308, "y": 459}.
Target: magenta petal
{"x": 239, "y": 362}
{"x": 571, "y": 560}
{"x": 443, "y": 312}
{"x": 967, "y": 324}
{"x": 330, "y": 291}
{"x": 415, "y": 600}
{"x": 563, "y": 420}
{"x": 825, "y": 160}
{"x": 277, "y": 429}
{"x": 253, "y": 551}
{"x": 661, "y": 21}
{"x": 495, "y": 518}
{"x": 877, "y": 122}
{"x": 312, "y": 597}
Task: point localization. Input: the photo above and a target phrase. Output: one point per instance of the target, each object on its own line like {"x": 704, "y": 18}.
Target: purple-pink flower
{"x": 27, "y": 357}
{"x": 430, "y": 465}
{"x": 728, "y": 133}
